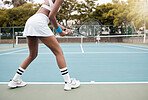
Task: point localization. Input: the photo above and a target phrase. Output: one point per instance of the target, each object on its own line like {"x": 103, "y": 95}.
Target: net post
{"x": 144, "y": 38}
{"x": 81, "y": 40}
{"x": 81, "y": 44}
{"x": 0, "y": 34}
{"x": 16, "y": 40}
{"x": 13, "y": 35}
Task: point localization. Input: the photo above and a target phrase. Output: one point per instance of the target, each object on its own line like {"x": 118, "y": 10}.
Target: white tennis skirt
{"x": 37, "y": 25}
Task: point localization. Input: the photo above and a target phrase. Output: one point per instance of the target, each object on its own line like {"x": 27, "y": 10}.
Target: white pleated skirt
{"x": 37, "y": 25}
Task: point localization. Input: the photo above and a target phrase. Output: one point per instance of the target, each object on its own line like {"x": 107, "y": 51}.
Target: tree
{"x": 117, "y": 13}
{"x": 16, "y": 3}
{"x": 17, "y": 16}
{"x": 104, "y": 13}
{"x": 137, "y": 12}
{"x": 121, "y": 14}
{"x": 85, "y": 10}
{"x": 115, "y": 1}
{"x": 66, "y": 10}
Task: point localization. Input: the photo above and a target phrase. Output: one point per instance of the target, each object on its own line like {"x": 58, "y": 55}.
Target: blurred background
{"x": 118, "y": 17}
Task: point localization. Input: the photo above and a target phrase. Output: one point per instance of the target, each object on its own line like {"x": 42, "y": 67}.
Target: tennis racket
{"x": 90, "y": 28}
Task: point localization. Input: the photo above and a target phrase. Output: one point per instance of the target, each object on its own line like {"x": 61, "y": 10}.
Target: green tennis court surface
{"x": 121, "y": 67}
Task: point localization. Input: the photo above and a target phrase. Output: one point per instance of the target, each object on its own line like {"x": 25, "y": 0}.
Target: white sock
{"x": 65, "y": 75}
{"x": 18, "y": 74}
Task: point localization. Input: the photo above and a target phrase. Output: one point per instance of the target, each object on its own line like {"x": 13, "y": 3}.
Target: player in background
{"x": 98, "y": 39}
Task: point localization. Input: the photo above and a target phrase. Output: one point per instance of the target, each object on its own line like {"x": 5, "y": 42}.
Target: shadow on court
{"x": 85, "y": 92}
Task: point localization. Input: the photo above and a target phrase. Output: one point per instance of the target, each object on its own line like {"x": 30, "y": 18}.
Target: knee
{"x": 33, "y": 56}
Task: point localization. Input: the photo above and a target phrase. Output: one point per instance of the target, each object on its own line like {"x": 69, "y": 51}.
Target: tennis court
{"x": 107, "y": 71}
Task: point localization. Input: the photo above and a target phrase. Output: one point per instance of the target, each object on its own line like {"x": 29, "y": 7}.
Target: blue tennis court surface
{"x": 106, "y": 62}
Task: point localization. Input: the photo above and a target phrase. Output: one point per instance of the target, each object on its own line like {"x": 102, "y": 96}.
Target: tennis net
{"x": 107, "y": 39}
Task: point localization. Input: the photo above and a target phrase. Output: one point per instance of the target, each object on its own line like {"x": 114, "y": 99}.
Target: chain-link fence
{"x": 9, "y": 34}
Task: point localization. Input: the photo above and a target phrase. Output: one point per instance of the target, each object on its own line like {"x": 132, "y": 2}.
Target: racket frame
{"x": 99, "y": 23}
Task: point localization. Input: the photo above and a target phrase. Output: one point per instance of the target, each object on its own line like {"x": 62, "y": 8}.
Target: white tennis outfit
{"x": 37, "y": 25}
{"x": 98, "y": 38}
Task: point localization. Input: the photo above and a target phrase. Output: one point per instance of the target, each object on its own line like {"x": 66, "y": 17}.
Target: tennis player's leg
{"x": 96, "y": 41}
{"x": 52, "y": 43}
{"x": 33, "y": 51}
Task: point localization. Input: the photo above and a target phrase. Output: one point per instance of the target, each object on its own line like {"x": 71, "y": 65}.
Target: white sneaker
{"x": 74, "y": 84}
{"x": 19, "y": 83}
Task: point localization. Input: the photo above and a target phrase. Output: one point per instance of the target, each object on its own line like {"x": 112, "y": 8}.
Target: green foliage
{"x": 16, "y": 3}
{"x": 85, "y": 10}
{"x": 17, "y": 16}
{"x": 66, "y": 10}
{"x": 116, "y": 13}
{"x": 115, "y": 1}
{"x": 138, "y": 11}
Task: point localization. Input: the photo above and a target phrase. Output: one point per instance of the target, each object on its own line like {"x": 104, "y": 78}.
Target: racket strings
{"x": 90, "y": 28}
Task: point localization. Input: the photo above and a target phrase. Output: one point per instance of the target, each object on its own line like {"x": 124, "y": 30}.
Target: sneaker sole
{"x": 67, "y": 89}
{"x": 75, "y": 87}
{"x": 16, "y": 86}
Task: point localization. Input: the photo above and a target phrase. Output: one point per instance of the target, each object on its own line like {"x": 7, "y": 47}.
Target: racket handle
{"x": 66, "y": 32}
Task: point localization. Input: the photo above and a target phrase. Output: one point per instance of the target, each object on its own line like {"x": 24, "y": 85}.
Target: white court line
{"x": 12, "y": 49}
{"x": 113, "y": 52}
{"x": 52, "y": 53}
{"x": 82, "y": 48}
{"x": 12, "y": 52}
{"x": 91, "y": 53}
{"x": 82, "y": 83}
{"x": 130, "y": 46}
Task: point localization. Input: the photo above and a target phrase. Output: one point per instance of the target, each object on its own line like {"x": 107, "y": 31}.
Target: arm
{"x": 52, "y": 17}
{"x": 52, "y": 14}
{"x": 62, "y": 27}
